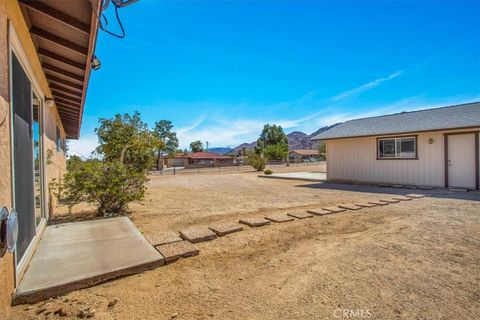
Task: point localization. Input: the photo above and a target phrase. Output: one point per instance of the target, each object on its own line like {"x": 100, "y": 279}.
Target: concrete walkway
{"x": 304, "y": 176}
{"x": 76, "y": 255}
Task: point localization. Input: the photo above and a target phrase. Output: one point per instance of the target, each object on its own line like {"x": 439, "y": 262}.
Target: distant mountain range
{"x": 297, "y": 140}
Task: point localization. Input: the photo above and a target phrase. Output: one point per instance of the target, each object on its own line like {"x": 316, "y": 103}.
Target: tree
{"x": 126, "y": 138}
{"x": 273, "y": 142}
{"x": 275, "y": 152}
{"x": 256, "y": 161}
{"x": 126, "y": 151}
{"x": 196, "y": 146}
{"x": 322, "y": 150}
{"x": 163, "y": 132}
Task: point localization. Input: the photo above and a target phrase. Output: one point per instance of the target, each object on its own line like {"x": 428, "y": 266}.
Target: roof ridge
{"x": 413, "y": 111}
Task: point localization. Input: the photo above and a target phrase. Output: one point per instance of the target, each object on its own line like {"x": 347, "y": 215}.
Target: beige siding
{"x": 355, "y": 159}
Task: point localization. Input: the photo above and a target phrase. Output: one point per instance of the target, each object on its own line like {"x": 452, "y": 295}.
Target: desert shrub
{"x": 256, "y": 161}
{"x": 109, "y": 185}
{"x": 127, "y": 148}
{"x": 268, "y": 171}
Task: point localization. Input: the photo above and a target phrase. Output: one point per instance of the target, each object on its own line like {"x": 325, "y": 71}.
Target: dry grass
{"x": 414, "y": 259}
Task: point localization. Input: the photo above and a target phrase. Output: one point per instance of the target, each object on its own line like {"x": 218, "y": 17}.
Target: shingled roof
{"x": 451, "y": 117}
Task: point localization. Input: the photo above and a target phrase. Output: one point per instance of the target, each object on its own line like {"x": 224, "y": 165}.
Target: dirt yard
{"x": 417, "y": 259}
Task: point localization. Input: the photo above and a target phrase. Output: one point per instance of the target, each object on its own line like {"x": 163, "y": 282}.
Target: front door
{"x": 461, "y": 161}
{"x": 23, "y": 166}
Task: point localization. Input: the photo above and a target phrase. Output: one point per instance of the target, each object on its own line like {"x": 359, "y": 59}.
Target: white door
{"x": 461, "y": 161}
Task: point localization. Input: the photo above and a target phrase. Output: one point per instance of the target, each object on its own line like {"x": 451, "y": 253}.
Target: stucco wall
{"x": 6, "y": 261}
{"x": 10, "y": 13}
{"x": 354, "y": 159}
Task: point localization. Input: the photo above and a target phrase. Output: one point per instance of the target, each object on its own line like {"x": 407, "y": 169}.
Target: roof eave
{"x": 91, "y": 50}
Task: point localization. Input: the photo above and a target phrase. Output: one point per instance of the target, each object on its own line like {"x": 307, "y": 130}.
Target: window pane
{"x": 387, "y": 148}
{"x": 37, "y": 160}
{"x": 406, "y": 148}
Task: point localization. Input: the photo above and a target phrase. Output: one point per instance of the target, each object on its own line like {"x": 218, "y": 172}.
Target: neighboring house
{"x": 46, "y": 49}
{"x": 302, "y": 155}
{"x": 180, "y": 160}
{"x": 435, "y": 147}
{"x": 200, "y": 159}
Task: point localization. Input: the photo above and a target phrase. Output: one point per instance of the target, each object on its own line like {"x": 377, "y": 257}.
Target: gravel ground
{"x": 414, "y": 259}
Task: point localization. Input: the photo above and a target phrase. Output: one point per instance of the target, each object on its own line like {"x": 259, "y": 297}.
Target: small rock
{"x": 47, "y": 313}
{"x": 28, "y": 308}
{"x": 112, "y": 302}
{"x": 86, "y": 312}
{"x": 60, "y": 312}
{"x": 174, "y": 315}
{"x": 66, "y": 300}
{"x": 40, "y": 310}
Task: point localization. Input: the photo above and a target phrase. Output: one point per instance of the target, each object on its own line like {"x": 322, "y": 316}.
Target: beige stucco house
{"x": 435, "y": 148}
{"x": 46, "y": 49}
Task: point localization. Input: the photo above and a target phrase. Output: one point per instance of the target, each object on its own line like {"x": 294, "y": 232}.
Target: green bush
{"x": 109, "y": 185}
{"x": 256, "y": 161}
{"x": 268, "y": 171}
{"x": 127, "y": 148}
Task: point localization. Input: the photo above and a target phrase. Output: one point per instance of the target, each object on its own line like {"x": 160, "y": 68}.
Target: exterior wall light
{"x": 95, "y": 63}
{"x": 49, "y": 102}
{"x": 430, "y": 140}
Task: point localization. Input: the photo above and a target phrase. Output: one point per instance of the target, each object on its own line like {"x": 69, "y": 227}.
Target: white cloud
{"x": 367, "y": 86}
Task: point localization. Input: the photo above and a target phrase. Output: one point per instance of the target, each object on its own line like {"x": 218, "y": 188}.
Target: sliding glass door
{"x": 27, "y": 157}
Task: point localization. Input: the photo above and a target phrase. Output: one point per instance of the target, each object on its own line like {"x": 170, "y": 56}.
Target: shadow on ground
{"x": 436, "y": 193}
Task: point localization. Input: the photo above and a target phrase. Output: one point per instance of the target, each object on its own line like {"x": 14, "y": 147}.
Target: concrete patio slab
{"x": 335, "y": 209}
{"x": 389, "y": 200}
{"x": 300, "y": 215}
{"x": 163, "y": 238}
{"x": 319, "y": 212}
{"x": 378, "y": 203}
{"x": 197, "y": 234}
{"x": 415, "y": 195}
{"x": 349, "y": 206}
{"x": 225, "y": 228}
{"x": 77, "y": 255}
{"x": 280, "y": 218}
{"x": 401, "y": 198}
{"x": 254, "y": 222}
{"x": 174, "y": 251}
{"x": 366, "y": 204}
{"x": 304, "y": 176}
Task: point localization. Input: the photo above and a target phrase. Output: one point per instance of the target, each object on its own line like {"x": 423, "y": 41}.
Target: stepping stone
{"x": 411, "y": 187}
{"x": 163, "y": 238}
{"x": 197, "y": 234}
{"x": 319, "y": 212}
{"x": 415, "y": 195}
{"x": 396, "y": 186}
{"x": 225, "y": 228}
{"x": 254, "y": 222}
{"x": 334, "y": 209}
{"x": 401, "y": 198}
{"x": 378, "y": 203}
{"x": 366, "y": 204}
{"x": 350, "y": 206}
{"x": 300, "y": 215}
{"x": 426, "y": 188}
{"x": 176, "y": 250}
{"x": 389, "y": 200}
{"x": 280, "y": 218}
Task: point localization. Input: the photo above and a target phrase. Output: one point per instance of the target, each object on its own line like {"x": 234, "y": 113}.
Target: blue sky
{"x": 220, "y": 70}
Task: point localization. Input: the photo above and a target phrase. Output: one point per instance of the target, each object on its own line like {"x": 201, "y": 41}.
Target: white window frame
{"x": 396, "y": 156}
